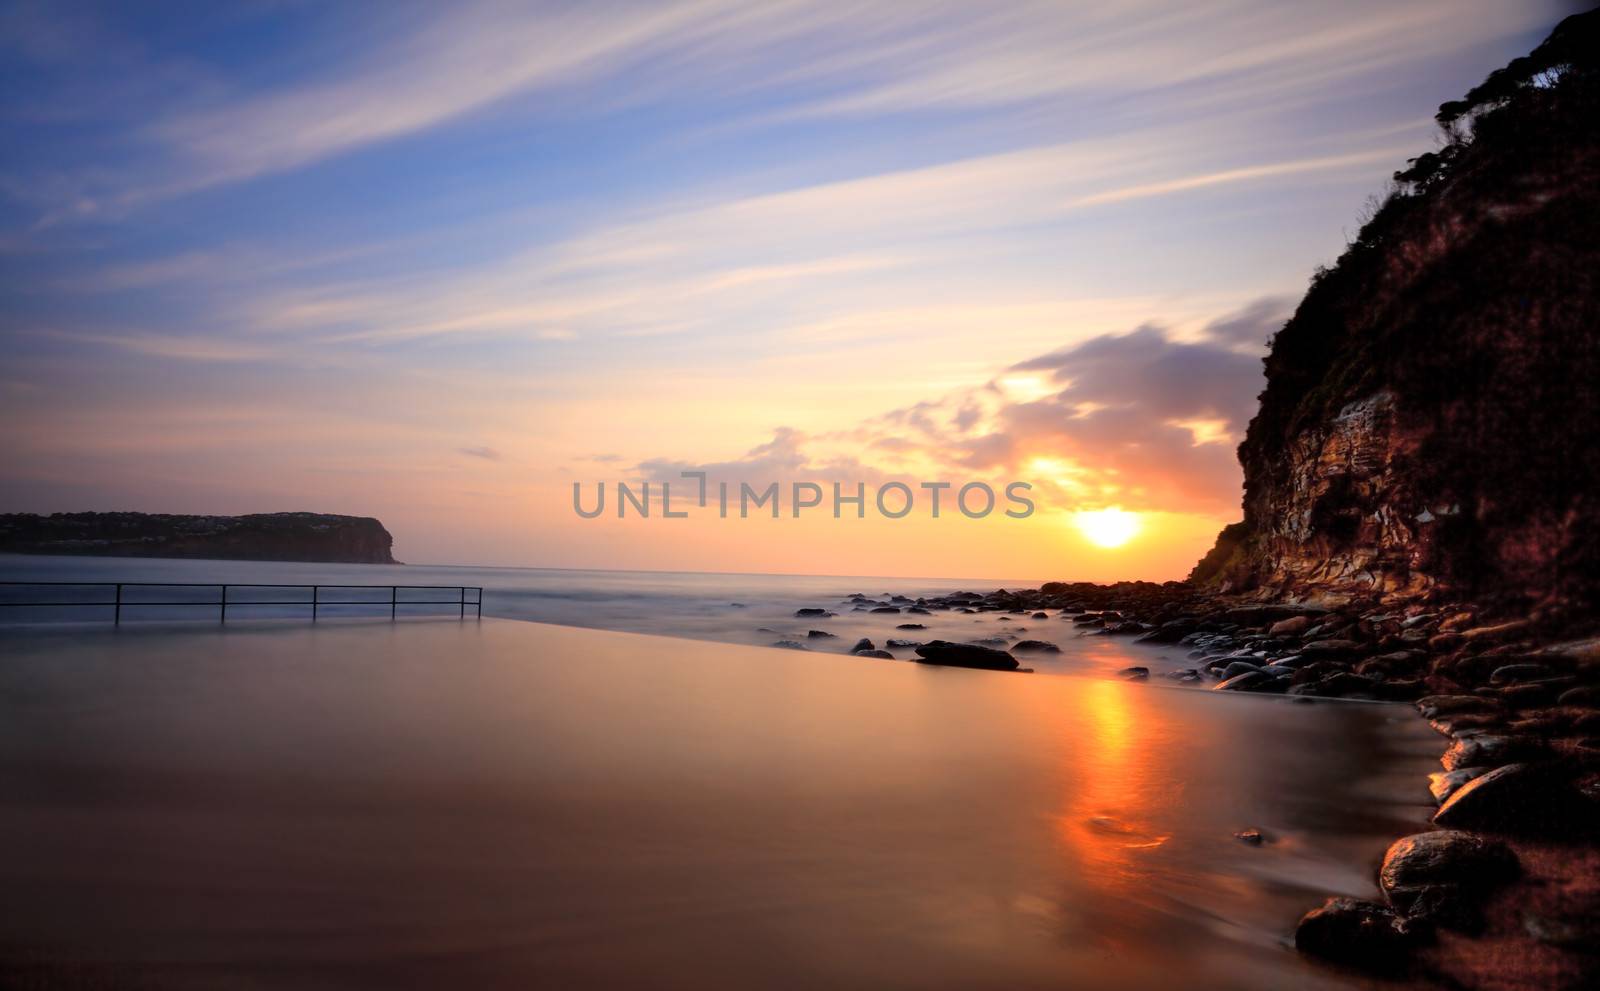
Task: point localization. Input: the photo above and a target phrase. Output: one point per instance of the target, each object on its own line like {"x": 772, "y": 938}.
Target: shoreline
{"x": 1504, "y": 891}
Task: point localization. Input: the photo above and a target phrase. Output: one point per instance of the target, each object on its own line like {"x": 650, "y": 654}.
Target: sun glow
{"x": 1110, "y": 527}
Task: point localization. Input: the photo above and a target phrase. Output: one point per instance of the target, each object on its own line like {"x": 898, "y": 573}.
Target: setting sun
{"x": 1111, "y": 527}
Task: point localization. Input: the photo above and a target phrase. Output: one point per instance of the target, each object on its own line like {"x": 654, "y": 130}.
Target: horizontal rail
{"x": 223, "y": 603}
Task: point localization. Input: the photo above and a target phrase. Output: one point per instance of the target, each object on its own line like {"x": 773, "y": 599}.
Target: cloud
{"x": 1143, "y": 419}
{"x": 486, "y": 453}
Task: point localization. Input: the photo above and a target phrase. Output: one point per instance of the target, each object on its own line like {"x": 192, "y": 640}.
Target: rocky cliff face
{"x": 262, "y": 537}
{"x": 1431, "y": 421}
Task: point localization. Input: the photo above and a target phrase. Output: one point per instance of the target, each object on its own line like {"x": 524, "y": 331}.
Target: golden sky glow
{"x": 437, "y": 263}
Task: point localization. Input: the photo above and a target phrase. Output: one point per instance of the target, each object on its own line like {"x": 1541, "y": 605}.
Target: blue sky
{"x": 291, "y": 255}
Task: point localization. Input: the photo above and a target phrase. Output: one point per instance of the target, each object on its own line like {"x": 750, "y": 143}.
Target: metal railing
{"x": 222, "y": 603}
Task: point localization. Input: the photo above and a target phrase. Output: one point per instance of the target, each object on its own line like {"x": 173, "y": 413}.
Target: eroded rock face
{"x": 1425, "y": 403}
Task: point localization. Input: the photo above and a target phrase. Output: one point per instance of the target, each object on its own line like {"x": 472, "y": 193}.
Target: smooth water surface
{"x": 512, "y": 805}
{"x": 732, "y": 608}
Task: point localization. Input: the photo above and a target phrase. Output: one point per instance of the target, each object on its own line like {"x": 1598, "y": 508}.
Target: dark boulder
{"x": 863, "y": 644}
{"x": 965, "y": 655}
{"x": 1249, "y": 681}
{"x": 911, "y": 626}
{"x": 1136, "y": 673}
{"x": 809, "y": 611}
{"x": 820, "y": 635}
{"x": 1465, "y": 862}
{"x": 1443, "y": 784}
{"x": 880, "y": 654}
{"x": 1521, "y": 799}
{"x": 1039, "y": 645}
{"x": 1355, "y": 933}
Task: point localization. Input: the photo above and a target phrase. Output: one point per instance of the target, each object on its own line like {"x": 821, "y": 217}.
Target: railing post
{"x": 223, "y": 617}
{"x": 117, "y": 619}
{"x": 394, "y": 600}
{"x": 316, "y": 591}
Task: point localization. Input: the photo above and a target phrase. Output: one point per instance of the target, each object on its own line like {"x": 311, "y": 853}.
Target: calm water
{"x": 511, "y": 805}
{"x": 679, "y": 604}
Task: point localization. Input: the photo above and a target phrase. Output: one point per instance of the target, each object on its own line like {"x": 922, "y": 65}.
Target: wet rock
{"x": 1137, "y": 673}
{"x": 1251, "y": 837}
{"x": 863, "y": 644}
{"x": 1172, "y": 631}
{"x": 1040, "y": 615}
{"x": 1516, "y": 673}
{"x": 893, "y": 644}
{"x": 1344, "y": 684}
{"x": 1355, "y": 933}
{"x": 1249, "y": 681}
{"x": 790, "y": 645}
{"x": 1434, "y": 706}
{"x": 803, "y": 613}
{"x": 1487, "y": 751}
{"x": 911, "y": 626}
{"x": 1043, "y": 646}
{"x": 1525, "y": 799}
{"x": 966, "y": 655}
{"x": 1464, "y": 864}
{"x": 885, "y": 609}
{"x": 820, "y": 635}
{"x": 918, "y": 610}
{"x": 880, "y": 654}
{"x": 1324, "y": 649}
{"x": 1587, "y": 696}
{"x": 1443, "y": 784}
{"x": 1236, "y": 668}
{"x": 1291, "y": 627}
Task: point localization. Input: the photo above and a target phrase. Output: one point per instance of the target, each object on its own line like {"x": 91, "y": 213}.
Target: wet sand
{"x": 508, "y": 804}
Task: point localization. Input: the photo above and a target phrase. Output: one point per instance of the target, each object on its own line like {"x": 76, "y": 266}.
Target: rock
{"x": 885, "y": 609}
{"x": 918, "y": 610}
{"x": 1526, "y": 799}
{"x": 1587, "y": 696}
{"x": 880, "y": 654}
{"x": 1172, "y": 631}
{"x": 893, "y": 644}
{"x": 802, "y": 613}
{"x": 1039, "y": 645}
{"x": 863, "y": 644}
{"x": 1515, "y": 673}
{"x": 1343, "y": 684}
{"x": 790, "y": 645}
{"x": 820, "y": 635}
{"x": 1251, "y": 837}
{"x": 1040, "y": 615}
{"x": 1486, "y": 751}
{"x": 1465, "y": 863}
{"x": 1443, "y": 784}
{"x": 1489, "y": 634}
{"x": 911, "y": 626}
{"x": 1355, "y": 933}
{"x": 1434, "y": 706}
{"x": 1321, "y": 649}
{"x": 1138, "y": 673}
{"x": 1249, "y": 681}
{"x": 1236, "y": 668}
{"x": 965, "y": 655}
{"x": 1293, "y": 626}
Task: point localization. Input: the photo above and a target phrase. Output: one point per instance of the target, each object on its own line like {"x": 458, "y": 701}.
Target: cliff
{"x": 259, "y": 537}
{"x": 1428, "y": 427}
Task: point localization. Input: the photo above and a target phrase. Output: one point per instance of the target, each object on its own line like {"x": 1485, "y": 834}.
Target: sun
{"x": 1111, "y": 527}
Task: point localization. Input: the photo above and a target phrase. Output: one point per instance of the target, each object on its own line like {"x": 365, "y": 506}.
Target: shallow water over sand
{"x": 435, "y": 804}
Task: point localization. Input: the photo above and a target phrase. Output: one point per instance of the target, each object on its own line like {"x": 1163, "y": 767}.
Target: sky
{"x": 437, "y": 263}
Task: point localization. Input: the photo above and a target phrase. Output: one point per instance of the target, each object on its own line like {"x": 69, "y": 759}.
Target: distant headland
{"x": 319, "y": 537}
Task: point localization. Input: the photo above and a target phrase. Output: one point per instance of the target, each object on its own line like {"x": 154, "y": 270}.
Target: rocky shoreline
{"x": 1505, "y": 893}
